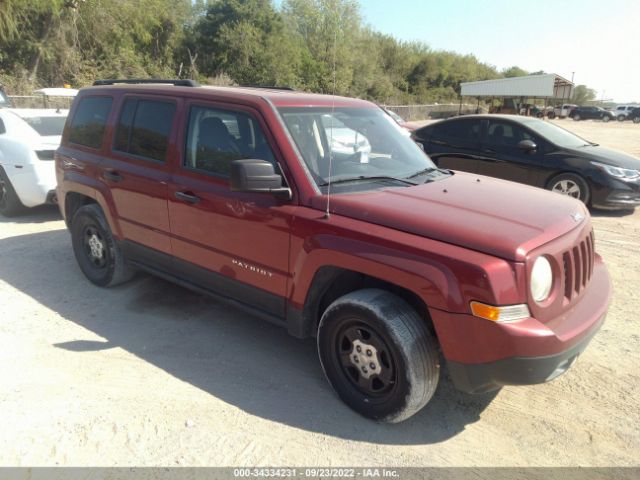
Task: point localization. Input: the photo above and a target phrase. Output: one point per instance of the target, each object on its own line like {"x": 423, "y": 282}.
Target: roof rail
{"x": 176, "y": 82}
{"x": 269, "y": 87}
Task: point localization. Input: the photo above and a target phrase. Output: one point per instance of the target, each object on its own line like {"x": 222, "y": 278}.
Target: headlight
{"x": 541, "y": 279}
{"x": 621, "y": 173}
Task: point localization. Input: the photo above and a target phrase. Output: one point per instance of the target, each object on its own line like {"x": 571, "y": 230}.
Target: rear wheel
{"x": 621, "y": 118}
{"x": 636, "y": 119}
{"x": 10, "y": 204}
{"x": 576, "y": 117}
{"x": 95, "y": 249}
{"x": 571, "y": 185}
{"x": 551, "y": 115}
{"x": 378, "y": 355}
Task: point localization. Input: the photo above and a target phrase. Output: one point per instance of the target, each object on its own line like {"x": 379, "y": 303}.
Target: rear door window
{"x": 144, "y": 128}
{"x": 459, "y": 132}
{"x": 89, "y": 121}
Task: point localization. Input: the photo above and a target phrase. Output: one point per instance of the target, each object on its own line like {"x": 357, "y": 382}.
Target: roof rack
{"x": 176, "y": 82}
{"x": 269, "y": 87}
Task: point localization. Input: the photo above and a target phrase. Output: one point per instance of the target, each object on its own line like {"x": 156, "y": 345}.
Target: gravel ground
{"x": 151, "y": 374}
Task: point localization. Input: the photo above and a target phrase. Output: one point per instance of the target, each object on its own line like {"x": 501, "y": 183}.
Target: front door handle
{"x": 187, "y": 197}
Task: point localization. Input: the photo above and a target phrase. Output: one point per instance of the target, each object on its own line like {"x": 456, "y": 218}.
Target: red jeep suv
{"x": 318, "y": 214}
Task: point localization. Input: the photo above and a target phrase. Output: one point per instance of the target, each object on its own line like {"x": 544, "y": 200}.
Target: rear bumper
{"x": 484, "y": 377}
{"x": 482, "y": 355}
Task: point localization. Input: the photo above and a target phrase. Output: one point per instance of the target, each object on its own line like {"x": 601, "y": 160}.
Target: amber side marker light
{"x": 510, "y": 313}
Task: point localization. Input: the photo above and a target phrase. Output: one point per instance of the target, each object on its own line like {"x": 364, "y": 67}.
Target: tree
{"x": 582, "y": 94}
{"x": 514, "y": 72}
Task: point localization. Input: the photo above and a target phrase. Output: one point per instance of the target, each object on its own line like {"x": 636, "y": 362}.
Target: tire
{"x": 621, "y": 118}
{"x": 551, "y": 115}
{"x": 571, "y": 185}
{"x": 636, "y": 119}
{"x": 378, "y": 327}
{"x": 95, "y": 249}
{"x": 10, "y": 204}
{"x": 606, "y": 118}
{"x": 576, "y": 117}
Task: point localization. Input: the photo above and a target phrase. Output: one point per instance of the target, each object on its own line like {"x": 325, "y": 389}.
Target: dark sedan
{"x": 535, "y": 152}
{"x": 592, "y": 113}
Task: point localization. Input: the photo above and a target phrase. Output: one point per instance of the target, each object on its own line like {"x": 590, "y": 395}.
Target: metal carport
{"x": 548, "y": 85}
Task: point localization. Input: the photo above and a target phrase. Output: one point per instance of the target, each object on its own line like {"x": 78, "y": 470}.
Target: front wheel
{"x": 576, "y": 117}
{"x": 621, "y": 118}
{"x": 606, "y": 118}
{"x": 571, "y": 185}
{"x": 636, "y": 119}
{"x": 551, "y": 115}
{"x": 378, "y": 355}
{"x": 95, "y": 249}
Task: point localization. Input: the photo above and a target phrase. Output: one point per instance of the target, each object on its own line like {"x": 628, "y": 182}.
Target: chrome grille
{"x": 577, "y": 263}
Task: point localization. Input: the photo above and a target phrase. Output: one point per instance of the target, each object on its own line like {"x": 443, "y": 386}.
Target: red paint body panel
{"x": 449, "y": 242}
{"x": 470, "y": 340}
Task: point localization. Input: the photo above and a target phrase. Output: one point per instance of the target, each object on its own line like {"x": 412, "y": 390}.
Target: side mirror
{"x": 527, "y": 146}
{"x": 257, "y": 176}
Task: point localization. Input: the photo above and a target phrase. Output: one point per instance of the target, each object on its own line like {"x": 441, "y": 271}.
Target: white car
{"x": 28, "y": 140}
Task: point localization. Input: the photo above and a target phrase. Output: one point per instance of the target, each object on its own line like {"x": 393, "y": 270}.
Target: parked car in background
{"x": 592, "y": 113}
{"x": 622, "y": 111}
{"x": 563, "y": 111}
{"x": 634, "y": 115}
{"x": 407, "y": 126}
{"x": 4, "y": 99}
{"x": 28, "y": 140}
{"x": 401, "y": 266}
{"x": 534, "y": 152}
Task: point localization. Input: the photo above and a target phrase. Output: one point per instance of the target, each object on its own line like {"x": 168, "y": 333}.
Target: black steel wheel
{"x": 378, "y": 355}
{"x": 95, "y": 249}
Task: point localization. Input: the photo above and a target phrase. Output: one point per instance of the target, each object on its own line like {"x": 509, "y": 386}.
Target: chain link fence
{"x": 435, "y": 111}
{"x": 40, "y": 101}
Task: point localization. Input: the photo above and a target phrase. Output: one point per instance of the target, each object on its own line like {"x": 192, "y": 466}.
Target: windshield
{"x": 46, "y": 126}
{"x": 557, "y": 135}
{"x": 359, "y": 144}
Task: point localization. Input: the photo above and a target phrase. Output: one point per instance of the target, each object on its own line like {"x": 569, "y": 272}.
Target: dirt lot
{"x": 151, "y": 374}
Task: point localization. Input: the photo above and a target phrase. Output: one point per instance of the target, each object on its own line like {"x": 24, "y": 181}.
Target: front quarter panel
{"x": 444, "y": 276}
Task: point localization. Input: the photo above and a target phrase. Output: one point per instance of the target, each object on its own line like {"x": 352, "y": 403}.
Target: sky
{"x": 596, "y": 41}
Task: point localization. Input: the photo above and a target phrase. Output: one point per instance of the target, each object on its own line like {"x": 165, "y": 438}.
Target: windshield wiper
{"x": 364, "y": 178}
{"x": 428, "y": 171}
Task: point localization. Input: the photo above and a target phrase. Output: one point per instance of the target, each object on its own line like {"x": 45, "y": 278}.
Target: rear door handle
{"x": 113, "y": 176}
{"x": 187, "y": 197}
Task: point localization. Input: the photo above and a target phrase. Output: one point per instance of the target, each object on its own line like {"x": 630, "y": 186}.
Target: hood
{"x": 496, "y": 217}
{"x": 608, "y": 156}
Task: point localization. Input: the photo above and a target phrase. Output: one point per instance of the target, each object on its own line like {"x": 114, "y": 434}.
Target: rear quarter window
{"x": 89, "y": 121}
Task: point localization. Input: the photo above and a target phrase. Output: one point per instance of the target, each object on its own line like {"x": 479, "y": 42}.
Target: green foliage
{"x": 514, "y": 71}
{"x": 582, "y": 94}
{"x": 314, "y": 45}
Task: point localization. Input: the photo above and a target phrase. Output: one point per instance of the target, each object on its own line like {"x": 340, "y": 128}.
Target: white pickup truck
{"x": 562, "y": 111}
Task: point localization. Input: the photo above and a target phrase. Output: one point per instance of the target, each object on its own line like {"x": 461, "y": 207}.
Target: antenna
{"x": 327, "y": 214}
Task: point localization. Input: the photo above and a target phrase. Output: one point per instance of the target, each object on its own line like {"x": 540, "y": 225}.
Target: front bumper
{"x": 485, "y": 377}
{"x": 482, "y": 355}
